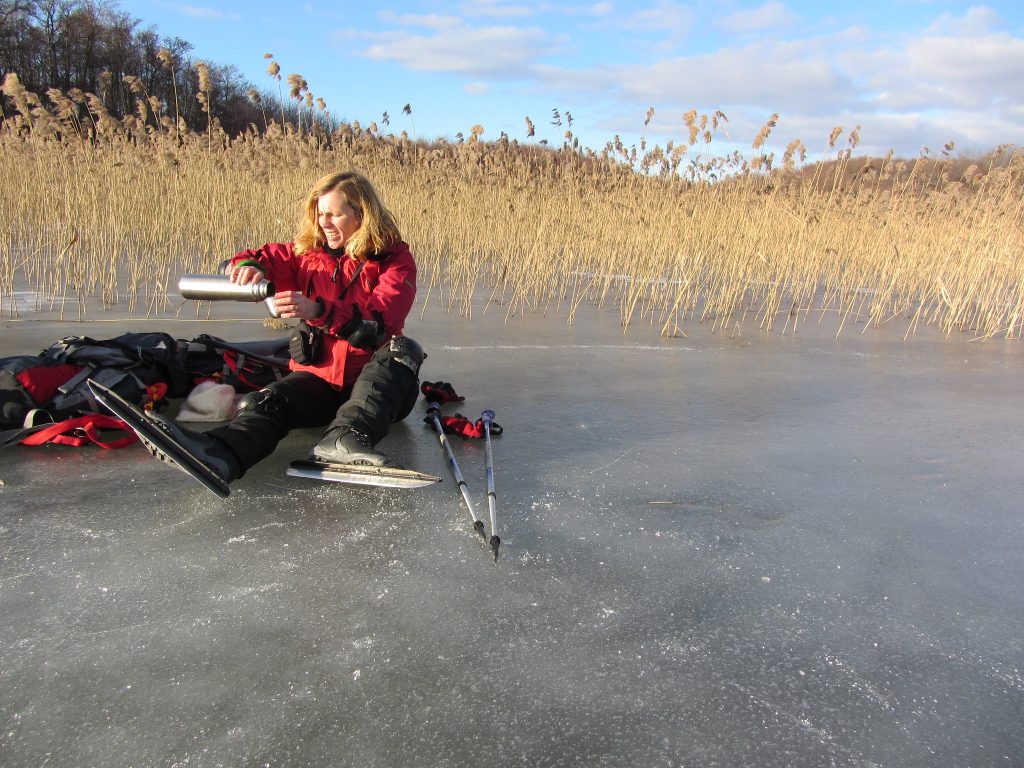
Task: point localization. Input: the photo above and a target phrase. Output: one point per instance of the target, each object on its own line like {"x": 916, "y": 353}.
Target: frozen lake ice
{"x": 769, "y": 550}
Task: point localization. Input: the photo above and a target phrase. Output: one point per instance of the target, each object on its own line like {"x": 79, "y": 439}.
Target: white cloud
{"x": 969, "y": 132}
{"x": 495, "y": 9}
{"x": 958, "y": 79}
{"x": 771, "y": 15}
{"x": 497, "y": 51}
{"x": 563, "y": 9}
{"x": 576, "y": 82}
{"x": 978, "y": 20}
{"x": 662, "y": 26}
{"x": 664, "y": 15}
{"x": 907, "y": 133}
{"x": 932, "y": 73}
{"x": 778, "y": 76}
{"x": 430, "y": 20}
{"x": 739, "y": 76}
{"x": 902, "y": 91}
{"x": 976, "y": 62}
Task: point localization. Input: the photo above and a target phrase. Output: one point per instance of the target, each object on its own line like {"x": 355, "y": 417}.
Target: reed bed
{"x": 113, "y": 211}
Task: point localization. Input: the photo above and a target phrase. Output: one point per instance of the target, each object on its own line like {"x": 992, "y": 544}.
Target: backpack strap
{"x": 77, "y": 432}
{"x": 66, "y": 388}
{"x": 35, "y": 420}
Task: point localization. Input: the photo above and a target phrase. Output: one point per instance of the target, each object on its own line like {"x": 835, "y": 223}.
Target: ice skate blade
{"x": 355, "y": 474}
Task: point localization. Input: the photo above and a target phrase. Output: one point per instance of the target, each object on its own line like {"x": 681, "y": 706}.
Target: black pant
{"x": 384, "y": 393}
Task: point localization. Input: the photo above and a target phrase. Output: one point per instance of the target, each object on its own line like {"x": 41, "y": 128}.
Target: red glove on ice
{"x": 440, "y": 392}
{"x": 460, "y": 425}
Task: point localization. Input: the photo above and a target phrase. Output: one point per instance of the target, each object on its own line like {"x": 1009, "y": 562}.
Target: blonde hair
{"x": 377, "y": 228}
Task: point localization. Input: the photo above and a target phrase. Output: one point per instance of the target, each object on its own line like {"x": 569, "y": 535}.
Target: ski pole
{"x": 495, "y": 542}
{"x": 478, "y": 525}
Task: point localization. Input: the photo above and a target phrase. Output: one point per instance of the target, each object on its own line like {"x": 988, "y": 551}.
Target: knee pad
{"x": 263, "y": 401}
{"x": 404, "y": 351}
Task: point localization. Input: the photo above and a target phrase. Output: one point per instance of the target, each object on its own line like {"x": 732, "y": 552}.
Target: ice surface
{"x": 768, "y": 550}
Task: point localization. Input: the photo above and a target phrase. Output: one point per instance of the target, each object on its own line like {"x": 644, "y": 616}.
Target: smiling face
{"x": 337, "y": 219}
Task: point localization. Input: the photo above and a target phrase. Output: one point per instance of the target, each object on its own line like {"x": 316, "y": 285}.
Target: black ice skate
{"x": 350, "y": 446}
{"x": 348, "y": 456}
{"x": 182, "y": 449}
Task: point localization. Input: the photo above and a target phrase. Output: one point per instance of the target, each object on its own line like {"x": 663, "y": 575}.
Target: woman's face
{"x": 337, "y": 219}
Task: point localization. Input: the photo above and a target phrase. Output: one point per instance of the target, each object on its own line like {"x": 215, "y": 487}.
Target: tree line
{"x": 92, "y": 46}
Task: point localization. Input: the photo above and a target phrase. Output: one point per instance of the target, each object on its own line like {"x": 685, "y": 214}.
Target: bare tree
{"x": 95, "y": 47}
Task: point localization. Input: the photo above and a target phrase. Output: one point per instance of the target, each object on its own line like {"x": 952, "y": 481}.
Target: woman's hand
{"x": 245, "y": 275}
{"x": 294, "y": 304}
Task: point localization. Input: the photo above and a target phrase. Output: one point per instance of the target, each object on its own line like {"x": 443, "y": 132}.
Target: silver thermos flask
{"x": 220, "y": 288}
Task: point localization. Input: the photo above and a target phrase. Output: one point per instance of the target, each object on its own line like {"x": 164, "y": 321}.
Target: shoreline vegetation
{"x": 114, "y": 210}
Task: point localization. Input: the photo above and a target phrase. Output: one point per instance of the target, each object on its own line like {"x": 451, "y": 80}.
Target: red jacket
{"x": 384, "y": 290}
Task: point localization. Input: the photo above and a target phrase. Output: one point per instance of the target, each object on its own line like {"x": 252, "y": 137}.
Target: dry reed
{"x": 94, "y": 207}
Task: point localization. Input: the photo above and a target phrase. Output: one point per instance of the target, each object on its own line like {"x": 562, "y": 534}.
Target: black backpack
{"x": 141, "y": 367}
{"x": 246, "y": 365}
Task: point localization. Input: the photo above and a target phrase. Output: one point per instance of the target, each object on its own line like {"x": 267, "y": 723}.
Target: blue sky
{"x": 911, "y": 73}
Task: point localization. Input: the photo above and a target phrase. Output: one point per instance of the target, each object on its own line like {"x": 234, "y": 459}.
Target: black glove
{"x": 304, "y": 344}
{"x": 362, "y": 334}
